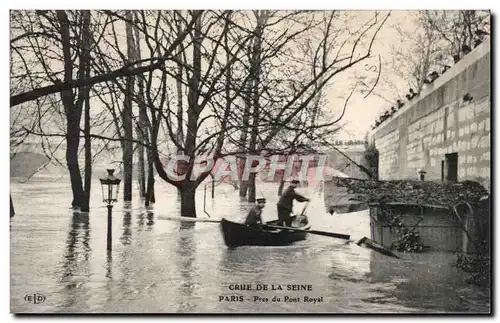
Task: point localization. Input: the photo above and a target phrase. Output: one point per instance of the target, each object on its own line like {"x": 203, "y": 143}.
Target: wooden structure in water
{"x": 440, "y": 228}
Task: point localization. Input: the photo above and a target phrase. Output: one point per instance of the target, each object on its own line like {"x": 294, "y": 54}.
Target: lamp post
{"x": 110, "y": 185}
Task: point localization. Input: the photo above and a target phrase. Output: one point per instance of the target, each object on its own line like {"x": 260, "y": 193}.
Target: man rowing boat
{"x": 285, "y": 204}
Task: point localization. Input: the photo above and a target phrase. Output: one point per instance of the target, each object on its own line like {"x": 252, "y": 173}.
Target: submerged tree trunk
{"x": 73, "y": 142}
{"x": 187, "y": 196}
{"x": 150, "y": 188}
{"x": 244, "y": 135}
{"x": 73, "y": 113}
{"x": 187, "y": 190}
{"x": 255, "y": 70}
{"x": 251, "y": 187}
{"x": 146, "y": 184}
{"x": 128, "y": 152}
{"x": 88, "y": 158}
{"x": 85, "y": 59}
{"x": 140, "y": 152}
{"x": 12, "y": 212}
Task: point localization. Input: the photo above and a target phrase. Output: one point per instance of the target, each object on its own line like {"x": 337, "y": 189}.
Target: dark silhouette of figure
{"x": 467, "y": 97}
{"x": 434, "y": 75}
{"x": 285, "y": 203}
{"x": 480, "y": 33}
{"x": 466, "y": 49}
{"x": 254, "y": 215}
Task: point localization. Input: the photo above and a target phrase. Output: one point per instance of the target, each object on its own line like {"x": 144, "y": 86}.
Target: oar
{"x": 320, "y": 233}
{"x": 369, "y": 243}
{"x": 304, "y": 209}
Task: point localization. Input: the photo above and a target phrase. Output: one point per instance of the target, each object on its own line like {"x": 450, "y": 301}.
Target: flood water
{"x": 159, "y": 265}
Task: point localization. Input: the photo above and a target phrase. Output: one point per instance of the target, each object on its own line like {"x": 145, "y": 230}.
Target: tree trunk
{"x": 150, "y": 190}
{"x": 74, "y": 171}
{"x": 255, "y": 70}
{"x": 128, "y": 152}
{"x": 73, "y": 112}
{"x": 213, "y": 188}
{"x": 142, "y": 131}
{"x": 251, "y": 187}
{"x": 88, "y": 157}
{"x": 140, "y": 152}
{"x": 85, "y": 59}
{"x": 243, "y": 137}
{"x": 180, "y": 94}
{"x": 188, "y": 206}
{"x": 12, "y": 212}
{"x": 187, "y": 189}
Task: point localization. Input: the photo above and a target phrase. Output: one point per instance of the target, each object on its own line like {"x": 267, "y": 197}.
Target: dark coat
{"x": 286, "y": 199}
{"x": 254, "y": 216}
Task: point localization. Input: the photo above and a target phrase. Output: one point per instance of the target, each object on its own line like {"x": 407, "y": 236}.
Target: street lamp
{"x": 110, "y": 185}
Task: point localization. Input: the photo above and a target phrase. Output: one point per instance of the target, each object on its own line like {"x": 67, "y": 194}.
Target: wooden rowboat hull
{"x": 237, "y": 234}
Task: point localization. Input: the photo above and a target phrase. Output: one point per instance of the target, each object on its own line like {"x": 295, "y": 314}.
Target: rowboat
{"x": 238, "y": 234}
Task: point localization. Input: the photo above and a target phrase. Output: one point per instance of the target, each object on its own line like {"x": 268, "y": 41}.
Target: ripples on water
{"x": 164, "y": 266}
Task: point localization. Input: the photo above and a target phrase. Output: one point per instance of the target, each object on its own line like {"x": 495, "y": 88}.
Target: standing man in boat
{"x": 285, "y": 204}
{"x": 254, "y": 216}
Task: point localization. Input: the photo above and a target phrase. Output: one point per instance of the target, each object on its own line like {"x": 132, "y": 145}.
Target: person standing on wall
{"x": 285, "y": 204}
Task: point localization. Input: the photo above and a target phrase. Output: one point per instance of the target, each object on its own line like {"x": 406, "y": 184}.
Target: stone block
{"x": 473, "y": 127}
{"x": 461, "y": 115}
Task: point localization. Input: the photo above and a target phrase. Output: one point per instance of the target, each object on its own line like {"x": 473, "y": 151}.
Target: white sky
{"x": 362, "y": 112}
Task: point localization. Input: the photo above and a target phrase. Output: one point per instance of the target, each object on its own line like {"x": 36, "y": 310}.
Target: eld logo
{"x": 34, "y": 298}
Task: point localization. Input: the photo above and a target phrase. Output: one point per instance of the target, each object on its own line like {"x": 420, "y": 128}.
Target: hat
{"x": 261, "y": 200}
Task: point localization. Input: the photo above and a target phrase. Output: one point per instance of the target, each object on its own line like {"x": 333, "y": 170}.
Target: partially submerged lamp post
{"x": 109, "y": 186}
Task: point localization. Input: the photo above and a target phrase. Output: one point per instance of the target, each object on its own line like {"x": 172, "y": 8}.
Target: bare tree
{"x": 435, "y": 41}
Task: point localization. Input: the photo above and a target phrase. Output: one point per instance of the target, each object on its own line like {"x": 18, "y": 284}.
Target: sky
{"x": 361, "y": 112}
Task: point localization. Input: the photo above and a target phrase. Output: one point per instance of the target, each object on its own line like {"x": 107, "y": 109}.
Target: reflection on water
{"x": 126, "y": 237}
{"x": 186, "y": 254}
{"x": 151, "y": 221}
{"x": 166, "y": 266}
{"x": 76, "y": 265}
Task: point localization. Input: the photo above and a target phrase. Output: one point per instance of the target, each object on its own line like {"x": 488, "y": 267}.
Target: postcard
{"x": 250, "y": 161}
